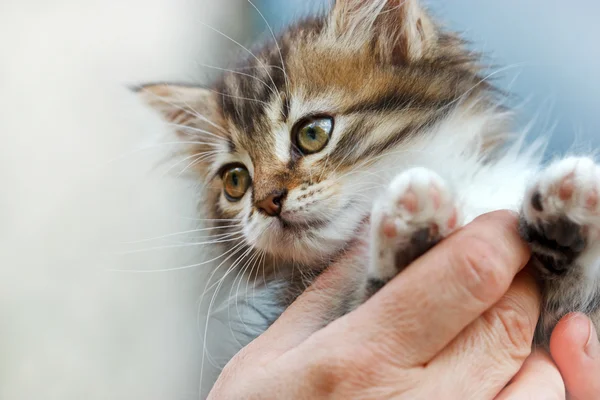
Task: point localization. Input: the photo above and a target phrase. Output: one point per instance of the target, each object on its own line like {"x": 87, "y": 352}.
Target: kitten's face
{"x": 298, "y": 141}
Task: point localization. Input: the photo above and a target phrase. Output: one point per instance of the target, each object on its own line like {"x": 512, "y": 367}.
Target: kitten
{"x": 374, "y": 115}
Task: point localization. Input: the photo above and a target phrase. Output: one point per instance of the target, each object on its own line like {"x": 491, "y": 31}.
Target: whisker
{"x": 275, "y": 40}
{"x": 212, "y": 303}
{"x": 205, "y": 351}
{"x": 180, "y": 233}
{"x": 189, "y": 110}
{"x": 175, "y": 268}
{"x": 197, "y": 130}
{"x": 233, "y": 267}
{"x": 257, "y": 67}
{"x": 252, "y": 261}
{"x": 210, "y": 288}
{"x": 239, "y": 73}
{"x": 214, "y": 219}
{"x": 245, "y": 49}
{"x": 150, "y": 147}
{"x": 173, "y": 246}
{"x": 198, "y": 159}
{"x": 217, "y": 283}
{"x": 258, "y": 268}
{"x": 195, "y": 218}
{"x": 200, "y": 116}
{"x": 240, "y": 98}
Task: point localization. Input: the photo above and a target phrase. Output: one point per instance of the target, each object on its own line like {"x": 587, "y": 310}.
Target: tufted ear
{"x": 180, "y": 104}
{"x": 194, "y": 114}
{"x": 400, "y": 30}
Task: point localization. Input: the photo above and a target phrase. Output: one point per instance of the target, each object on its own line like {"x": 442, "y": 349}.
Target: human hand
{"x": 457, "y": 324}
{"x": 575, "y": 354}
{"x": 575, "y": 348}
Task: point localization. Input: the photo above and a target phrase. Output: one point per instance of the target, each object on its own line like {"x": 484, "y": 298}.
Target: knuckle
{"x": 325, "y": 377}
{"x": 338, "y": 369}
{"x": 346, "y": 361}
{"x": 513, "y": 327}
{"x": 327, "y": 369}
{"x": 483, "y": 268}
{"x": 337, "y": 360}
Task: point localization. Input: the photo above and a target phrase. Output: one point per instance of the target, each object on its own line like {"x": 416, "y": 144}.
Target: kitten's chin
{"x": 307, "y": 243}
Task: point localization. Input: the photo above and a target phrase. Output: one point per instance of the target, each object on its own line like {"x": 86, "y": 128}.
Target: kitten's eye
{"x": 236, "y": 181}
{"x": 314, "y": 134}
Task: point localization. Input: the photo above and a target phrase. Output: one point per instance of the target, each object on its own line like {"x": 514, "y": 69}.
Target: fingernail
{"x": 592, "y": 347}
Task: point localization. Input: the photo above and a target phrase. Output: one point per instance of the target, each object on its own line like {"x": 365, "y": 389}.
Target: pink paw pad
{"x": 591, "y": 201}
{"x": 434, "y": 192}
{"x": 453, "y": 220}
{"x": 388, "y": 228}
{"x": 567, "y": 188}
{"x": 410, "y": 202}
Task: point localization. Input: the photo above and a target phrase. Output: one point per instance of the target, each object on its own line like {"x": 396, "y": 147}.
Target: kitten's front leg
{"x": 560, "y": 218}
{"x": 415, "y": 212}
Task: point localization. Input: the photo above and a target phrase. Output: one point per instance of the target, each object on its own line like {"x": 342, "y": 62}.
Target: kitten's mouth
{"x": 291, "y": 221}
{"x": 309, "y": 240}
{"x": 294, "y": 226}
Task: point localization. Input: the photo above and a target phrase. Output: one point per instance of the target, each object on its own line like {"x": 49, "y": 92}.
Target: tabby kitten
{"x": 372, "y": 116}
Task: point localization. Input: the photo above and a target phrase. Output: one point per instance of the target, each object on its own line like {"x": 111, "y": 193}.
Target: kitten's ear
{"x": 399, "y": 29}
{"x": 181, "y": 104}
{"x": 195, "y": 115}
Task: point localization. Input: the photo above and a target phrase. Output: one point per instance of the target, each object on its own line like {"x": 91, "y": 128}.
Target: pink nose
{"x": 271, "y": 205}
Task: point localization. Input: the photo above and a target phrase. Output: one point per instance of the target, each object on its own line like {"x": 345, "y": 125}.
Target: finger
{"x": 325, "y": 300}
{"x": 419, "y": 312}
{"x": 491, "y": 350}
{"x": 538, "y": 378}
{"x": 576, "y": 351}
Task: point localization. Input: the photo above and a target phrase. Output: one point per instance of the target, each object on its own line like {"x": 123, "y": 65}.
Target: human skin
{"x": 575, "y": 354}
{"x": 456, "y": 324}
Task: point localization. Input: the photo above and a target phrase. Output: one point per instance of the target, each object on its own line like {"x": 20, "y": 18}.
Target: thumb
{"x": 576, "y": 351}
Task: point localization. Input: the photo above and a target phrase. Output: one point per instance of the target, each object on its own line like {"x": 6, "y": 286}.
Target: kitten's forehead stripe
{"x": 395, "y": 101}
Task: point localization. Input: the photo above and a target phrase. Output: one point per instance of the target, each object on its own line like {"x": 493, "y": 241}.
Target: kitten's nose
{"x": 271, "y": 205}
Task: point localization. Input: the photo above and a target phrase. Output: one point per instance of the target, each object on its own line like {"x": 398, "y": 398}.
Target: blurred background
{"x": 71, "y": 329}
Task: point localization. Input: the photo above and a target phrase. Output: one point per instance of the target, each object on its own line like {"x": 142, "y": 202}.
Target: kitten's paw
{"x": 415, "y": 212}
{"x": 561, "y": 212}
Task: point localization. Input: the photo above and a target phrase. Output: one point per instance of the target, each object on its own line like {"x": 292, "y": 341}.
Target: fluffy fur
{"x": 420, "y": 143}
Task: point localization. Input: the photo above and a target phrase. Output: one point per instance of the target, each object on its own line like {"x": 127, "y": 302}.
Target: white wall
{"x": 79, "y": 183}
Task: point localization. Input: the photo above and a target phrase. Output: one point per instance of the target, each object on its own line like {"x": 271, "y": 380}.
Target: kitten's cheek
{"x": 248, "y": 226}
